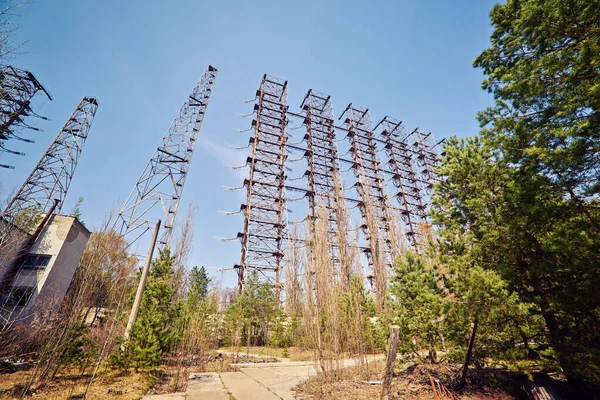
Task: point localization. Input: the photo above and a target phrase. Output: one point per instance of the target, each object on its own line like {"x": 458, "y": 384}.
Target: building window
{"x": 37, "y": 261}
{"x": 18, "y": 296}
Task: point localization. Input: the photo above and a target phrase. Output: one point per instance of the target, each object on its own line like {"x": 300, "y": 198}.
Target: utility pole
{"x": 135, "y": 309}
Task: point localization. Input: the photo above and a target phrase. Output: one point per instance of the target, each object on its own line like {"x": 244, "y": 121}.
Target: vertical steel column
{"x": 323, "y": 176}
{"x": 264, "y": 212}
{"x": 425, "y": 151}
{"x": 400, "y": 160}
{"x": 374, "y": 201}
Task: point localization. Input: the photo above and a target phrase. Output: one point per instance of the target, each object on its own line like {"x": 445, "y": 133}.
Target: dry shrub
{"x": 200, "y": 327}
{"x": 335, "y": 322}
{"x": 82, "y": 332}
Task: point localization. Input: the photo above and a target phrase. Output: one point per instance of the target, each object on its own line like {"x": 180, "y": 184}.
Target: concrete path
{"x": 241, "y": 386}
{"x": 269, "y": 381}
{"x": 201, "y": 386}
{"x": 254, "y": 381}
{"x": 206, "y": 386}
{"x": 273, "y": 381}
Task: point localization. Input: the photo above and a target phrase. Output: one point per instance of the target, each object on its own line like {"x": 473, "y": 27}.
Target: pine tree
{"x": 254, "y": 312}
{"x": 199, "y": 282}
{"x": 418, "y": 305}
{"x": 543, "y": 70}
{"x": 517, "y": 222}
{"x": 158, "y": 325}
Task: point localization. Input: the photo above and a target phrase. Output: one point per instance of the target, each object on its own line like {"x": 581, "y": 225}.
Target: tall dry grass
{"x": 78, "y": 337}
{"x": 335, "y": 322}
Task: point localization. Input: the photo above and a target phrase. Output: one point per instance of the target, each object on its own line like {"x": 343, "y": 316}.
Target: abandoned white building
{"x": 41, "y": 283}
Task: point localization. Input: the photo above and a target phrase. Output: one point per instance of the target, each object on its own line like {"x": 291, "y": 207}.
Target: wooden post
{"x": 140, "y": 290}
{"x": 389, "y": 366}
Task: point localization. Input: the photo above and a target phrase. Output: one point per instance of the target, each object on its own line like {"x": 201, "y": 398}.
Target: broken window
{"x": 37, "y": 261}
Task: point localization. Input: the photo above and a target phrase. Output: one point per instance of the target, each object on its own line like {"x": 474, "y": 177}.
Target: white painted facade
{"x": 61, "y": 245}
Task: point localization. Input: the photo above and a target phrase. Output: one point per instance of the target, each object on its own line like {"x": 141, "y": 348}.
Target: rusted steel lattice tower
{"x": 410, "y": 162}
{"x": 323, "y": 176}
{"x": 161, "y": 182}
{"x": 400, "y": 161}
{"x": 369, "y": 185}
{"x": 50, "y": 180}
{"x": 264, "y": 227}
{"x": 426, "y": 155}
{"x": 17, "y": 89}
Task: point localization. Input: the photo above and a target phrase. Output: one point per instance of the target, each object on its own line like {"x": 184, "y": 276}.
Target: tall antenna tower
{"x": 51, "y": 177}
{"x": 264, "y": 220}
{"x": 426, "y": 157}
{"x": 323, "y": 177}
{"x": 17, "y": 89}
{"x": 374, "y": 205}
{"x": 401, "y": 160}
{"x": 410, "y": 166}
{"x": 164, "y": 176}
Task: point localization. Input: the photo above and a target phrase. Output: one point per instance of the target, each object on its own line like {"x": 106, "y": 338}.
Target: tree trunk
{"x": 578, "y": 386}
{"x": 463, "y": 378}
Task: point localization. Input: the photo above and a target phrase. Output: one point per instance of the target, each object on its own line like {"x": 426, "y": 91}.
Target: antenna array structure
{"x": 264, "y": 227}
{"x": 409, "y": 170}
{"x": 50, "y": 179}
{"x": 161, "y": 183}
{"x": 17, "y": 89}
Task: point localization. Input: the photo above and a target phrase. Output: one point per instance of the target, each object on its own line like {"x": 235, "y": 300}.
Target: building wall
{"x": 11, "y": 239}
{"x": 64, "y": 239}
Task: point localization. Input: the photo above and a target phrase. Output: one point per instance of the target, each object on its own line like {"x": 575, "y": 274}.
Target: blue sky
{"x": 408, "y": 59}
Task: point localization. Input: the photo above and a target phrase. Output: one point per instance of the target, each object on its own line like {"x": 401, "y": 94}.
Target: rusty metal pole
{"x": 140, "y": 290}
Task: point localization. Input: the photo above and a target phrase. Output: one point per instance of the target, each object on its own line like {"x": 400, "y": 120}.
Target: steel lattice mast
{"x": 369, "y": 184}
{"x": 162, "y": 181}
{"x": 426, "y": 156}
{"x": 264, "y": 221}
{"x": 323, "y": 177}
{"x": 401, "y": 160}
{"x": 51, "y": 177}
{"x": 411, "y": 160}
{"x": 17, "y": 89}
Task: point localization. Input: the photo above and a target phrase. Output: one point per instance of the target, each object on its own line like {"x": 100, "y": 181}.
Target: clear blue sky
{"x": 408, "y": 59}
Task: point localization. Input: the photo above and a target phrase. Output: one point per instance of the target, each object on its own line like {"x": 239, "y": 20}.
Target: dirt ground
{"x": 291, "y": 353}
{"x": 409, "y": 383}
{"x": 107, "y": 385}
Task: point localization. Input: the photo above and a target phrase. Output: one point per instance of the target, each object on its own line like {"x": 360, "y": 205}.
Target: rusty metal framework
{"x": 410, "y": 166}
{"x": 264, "y": 226}
{"x": 162, "y": 181}
{"x": 17, "y": 89}
{"x": 401, "y": 159}
{"x": 323, "y": 177}
{"x": 374, "y": 206}
{"x": 427, "y": 155}
{"x": 321, "y": 153}
{"x": 51, "y": 177}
